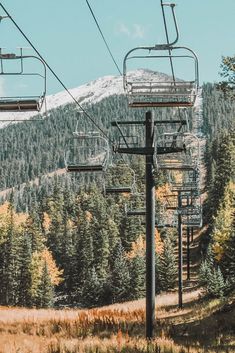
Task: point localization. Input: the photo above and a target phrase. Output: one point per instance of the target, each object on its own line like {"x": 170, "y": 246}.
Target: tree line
{"x": 77, "y": 249}
{"x": 217, "y": 272}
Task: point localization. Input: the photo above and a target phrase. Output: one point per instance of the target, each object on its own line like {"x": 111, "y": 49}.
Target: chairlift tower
{"x": 151, "y": 151}
{"x": 149, "y": 91}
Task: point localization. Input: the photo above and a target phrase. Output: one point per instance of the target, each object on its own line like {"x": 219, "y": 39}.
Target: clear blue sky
{"x": 65, "y": 34}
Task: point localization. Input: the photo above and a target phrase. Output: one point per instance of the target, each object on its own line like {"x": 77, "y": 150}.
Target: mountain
{"x": 89, "y": 93}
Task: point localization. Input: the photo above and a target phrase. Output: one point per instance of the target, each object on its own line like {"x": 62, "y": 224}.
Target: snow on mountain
{"x": 88, "y": 93}
{"x": 91, "y": 92}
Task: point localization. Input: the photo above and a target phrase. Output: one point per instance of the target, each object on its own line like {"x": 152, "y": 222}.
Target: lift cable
{"x": 102, "y": 35}
{"x": 56, "y": 76}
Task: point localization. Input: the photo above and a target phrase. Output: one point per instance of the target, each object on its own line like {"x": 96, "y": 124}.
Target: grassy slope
{"x": 119, "y": 326}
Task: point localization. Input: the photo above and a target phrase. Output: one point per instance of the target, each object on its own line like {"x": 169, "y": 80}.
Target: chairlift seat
{"x": 176, "y": 166}
{"x": 118, "y": 190}
{"x": 192, "y": 222}
{"x": 193, "y": 187}
{"x": 161, "y": 94}
{"x": 161, "y": 223}
{"x": 190, "y": 211}
{"x": 87, "y": 154}
{"x": 165, "y": 104}
{"x": 19, "y": 105}
{"x": 161, "y": 226}
{"x": 85, "y": 168}
{"x": 137, "y": 212}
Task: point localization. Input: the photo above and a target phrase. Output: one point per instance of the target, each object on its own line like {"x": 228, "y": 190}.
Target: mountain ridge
{"x": 88, "y": 93}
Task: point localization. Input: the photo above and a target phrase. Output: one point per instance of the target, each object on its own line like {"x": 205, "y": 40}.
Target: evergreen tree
{"x": 68, "y": 258}
{"x": 130, "y": 230}
{"x": 207, "y": 266}
{"x": 168, "y": 267}
{"x": 101, "y": 246}
{"x": 158, "y": 284}
{"x": 222, "y": 224}
{"x": 216, "y": 285}
{"x": 224, "y": 172}
{"x": 228, "y": 73}
{"x": 45, "y": 289}
{"x": 24, "y": 272}
{"x": 55, "y": 234}
{"x": 84, "y": 251}
{"x": 137, "y": 277}
{"x": 33, "y": 231}
{"x": 204, "y": 273}
{"x": 11, "y": 262}
{"x": 92, "y": 289}
{"x": 228, "y": 261}
{"x": 120, "y": 276}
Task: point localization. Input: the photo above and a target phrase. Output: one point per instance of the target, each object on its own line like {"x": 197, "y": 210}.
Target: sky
{"x": 65, "y": 34}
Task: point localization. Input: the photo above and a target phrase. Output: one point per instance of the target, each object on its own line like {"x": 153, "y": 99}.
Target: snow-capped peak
{"x": 88, "y": 93}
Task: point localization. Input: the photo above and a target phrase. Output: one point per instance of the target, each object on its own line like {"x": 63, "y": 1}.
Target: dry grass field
{"x": 118, "y": 328}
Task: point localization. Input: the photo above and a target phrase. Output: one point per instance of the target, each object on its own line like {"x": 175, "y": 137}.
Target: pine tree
{"x": 228, "y": 261}
{"x": 68, "y": 259}
{"x": 167, "y": 268}
{"x": 84, "y": 251}
{"x": 137, "y": 277}
{"x": 224, "y": 173}
{"x": 207, "y": 266}
{"x": 100, "y": 237}
{"x": 223, "y": 222}
{"x": 24, "y": 272}
{"x": 34, "y": 231}
{"x": 55, "y": 233}
{"x": 45, "y": 290}
{"x": 204, "y": 273}
{"x": 120, "y": 276}
{"x": 11, "y": 261}
{"x": 130, "y": 230}
{"x": 92, "y": 289}
{"x": 158, "y": 284}
{"x": 113, "y": 232}
{"x": 228, "y": 73}
{"x": 216, "y": 285}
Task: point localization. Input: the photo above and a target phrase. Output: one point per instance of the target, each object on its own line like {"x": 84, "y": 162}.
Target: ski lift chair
{"x": 171, "y": 202}
{"x": 185, "y": 187}
{"x": 88, "y": 152}
{"x": 186, "y": 184}
{"x": 177, "y": 151}
{"x": 19, "y": 66}
{"x": 190, "y": 205}
{"x": 150, "y": 88}
{"x": 119, "y": 178}
{"x": 194, "y": 220}
{"x": 136, "y": 206}
{"x": 166, "y": 218}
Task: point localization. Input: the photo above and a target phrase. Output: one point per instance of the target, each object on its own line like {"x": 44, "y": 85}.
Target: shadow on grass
{"x": 215, "y": 329}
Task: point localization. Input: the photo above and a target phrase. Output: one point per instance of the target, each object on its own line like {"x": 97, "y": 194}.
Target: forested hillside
{"x": 218, "y": 270}
{"x": 32, "y": 149}
{"x": 88, "y": 251}
{"x": 77, "y": 237}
